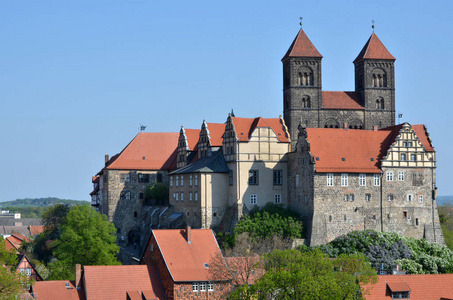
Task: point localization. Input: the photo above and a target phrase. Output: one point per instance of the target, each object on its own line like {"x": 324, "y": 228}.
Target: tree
{"x": 293, "y": 274}
{"x": 10, "y": 280}
{"x": 157, "y": 193}
{"x": 86, "y": 238}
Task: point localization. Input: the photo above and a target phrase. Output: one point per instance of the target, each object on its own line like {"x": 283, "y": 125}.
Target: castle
{"x": 335, "y": 157}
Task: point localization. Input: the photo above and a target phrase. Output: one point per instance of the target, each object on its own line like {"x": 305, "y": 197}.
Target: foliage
{"x": 54, "y": 216}
{"x": 10, "y": 280}
{"x": 37, "y": 202}
{"x": 86, "y": 238}
{"x": 416, "y": 256}
{"x": 293, "y": 274}
{"x": 262, "y": 225}
{"x": 157, "y": 194}
{"x": 276, "y": 209}
{"x": 446, "y": 221}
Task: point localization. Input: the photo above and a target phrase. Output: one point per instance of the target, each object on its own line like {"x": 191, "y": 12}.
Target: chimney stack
{"x": 78, "y": 275}
{"x": 188, "y": 235}
{"x": 375, "y": 128}
{"x": 345, "y": 126}
{"x": 106, "y": 158}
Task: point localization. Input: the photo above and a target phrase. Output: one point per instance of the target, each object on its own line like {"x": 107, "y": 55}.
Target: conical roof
{"x": 302, "y": 47}
{"x": 374, "y": 49}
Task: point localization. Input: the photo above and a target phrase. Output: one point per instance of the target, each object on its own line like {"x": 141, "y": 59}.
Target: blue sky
{"x": 77, "y": 78}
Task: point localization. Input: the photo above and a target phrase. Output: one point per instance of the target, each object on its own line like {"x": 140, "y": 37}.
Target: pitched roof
{"x": 302, "y": 47}
{"x": 216, "y": 131}
{"x": 244, "y": 127}
{"x": 148, "y": 151}
{"x": 14, "y": 241}
{"x": 57, "y": 289}
{"x": 113, "y": 282}
{"x": 341, "y": 100}
{"x": 421, "y": 287}
{"x": 374, "y": 49}
{"x": 186, "y": 261}
{"x": 36, "y": 229}
{"x": 192, "y": 136}
{"x": 210, "y": 164}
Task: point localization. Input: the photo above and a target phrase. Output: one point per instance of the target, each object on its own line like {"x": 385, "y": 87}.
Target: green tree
{"x": 157, "y": 194}
{"x": 10, "y": 280}
{"x": 86, "y": 238}
{"x": 293, "y": 274}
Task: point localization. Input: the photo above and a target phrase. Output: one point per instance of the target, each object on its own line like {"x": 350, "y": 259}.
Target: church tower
{"x": 375, "y": 81}
{"x": 301, "y": 85}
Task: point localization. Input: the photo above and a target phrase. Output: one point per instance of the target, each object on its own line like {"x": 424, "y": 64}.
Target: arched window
{"x": 379, "y": 103}
{"x": 331, "y": 123}
{"x": 306, "y": 102}
{"x": 355, "y": 124}
{"x": 379, "y": 78}
{"x": 305, "y": 77}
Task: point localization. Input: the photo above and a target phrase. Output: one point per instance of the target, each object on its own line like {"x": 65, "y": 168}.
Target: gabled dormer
{"x": 182, "y": 150}
{"x": 211, "y": 138}
{"x": 229, "y": 140}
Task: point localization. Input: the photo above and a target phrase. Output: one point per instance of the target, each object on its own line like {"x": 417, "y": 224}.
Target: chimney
{"x": 78, "y": 275}
{"x": 106, "y": 158}
{"x": 345, "y": 126}
{"x": 188, "y": 235}
{"x": 375, "y": 128}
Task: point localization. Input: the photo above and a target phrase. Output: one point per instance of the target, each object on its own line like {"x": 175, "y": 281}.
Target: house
{"x": 347, "y": 179}
{"x": 414, "y": 287}
{"x": 183, "y": 258}
{"x": 25, "y": 267}
{"x": 14, "y": 242}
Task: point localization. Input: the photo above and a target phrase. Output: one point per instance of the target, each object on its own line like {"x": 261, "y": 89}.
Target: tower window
{"x": 306, "y": 102}
{"x": 379, "y": 79}
{"x": 380, "y": 103}
{"x": 305, "y": 77}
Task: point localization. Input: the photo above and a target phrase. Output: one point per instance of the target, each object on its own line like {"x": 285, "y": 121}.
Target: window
{"x": 159, "y": 177}
{"x": 28, "y": 271}
{"x": 210, "y": 286}
{"x": 405, "y": 214}
{"x": 409, "y": 144}
{"x": 329, "y": 179}
{"x": 253, "y": 199}
{"x": 367, "y": 197}
{"x": 143, "y": 178}
{"x": 351, "y": 197}
{"x": 306, "y": 198}
{"x": 306, "y": 102}
{"x": 278, "y": 177}
{"x": 141, "y": 195}
{"x": 230, "y": 177}
{"x": 362, "y": 179}
{"x": 409, "y": 197}
{"x": 190, "y": 180}
{"x": 195, "y": 287}
{"x": 377, "y": 180}
{"x": 182, "y": 196}
{"x": 253, "y": 177}
{"x": 196, "y": 196}
{"x": 297, "y": 180}
{"x": 277, "y": 198}
{"x": 125, "y": 178}
{"x": 196, "y": 180}
{"x": 135, "y": 214}
{"x": 190, "y": 196}
{"x": 405, "y": 144}
{"x": 171, "y": 181}
{"x": 390, "y": 197}
{"x": 413, "y": 157}
{"x": 420, "y": 198}
{"x": 125, "y": 195}
{"x": 22, "y": 271}
{"x": 128, "y": 177}
{"x": 182, "y": 180}
{"x": 344, "y": 179}
{"x": 176, "y": 181}
{"x": 401, "y": 176}
{"x": 389, "y": 175}
{"x": 177, "y": 196}
{"x": 202, "y": 286}
{"x": 403, "y": 156}
{"x": 346, "y": 198}
{"x": 416, "y": 221}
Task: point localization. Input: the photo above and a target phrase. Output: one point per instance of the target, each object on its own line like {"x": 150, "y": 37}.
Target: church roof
{"x": 341, "y": 100}
{"x": 302, "y": 47}
{"x": 374, "y": 49}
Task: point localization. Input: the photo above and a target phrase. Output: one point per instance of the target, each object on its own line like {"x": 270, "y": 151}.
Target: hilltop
{"x": 38, "y": 202}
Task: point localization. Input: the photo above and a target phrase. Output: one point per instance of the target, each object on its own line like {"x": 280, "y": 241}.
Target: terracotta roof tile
{"x": 186, "y": 261}
{"x": 36, "y": 229}
{"x": 51, "y": 290}
{"x": 374, "y": 49}
{"x": 113, "y": 282}
{"x": 148, "y": 151}
{"x": 245, "y": 126}
{"x": 422, "y": 287}
{"x": 192, "y": 136}
{"x": 302, "y": 47}
{"x": 216, "y": 131}
{"x": 341, "y": 100}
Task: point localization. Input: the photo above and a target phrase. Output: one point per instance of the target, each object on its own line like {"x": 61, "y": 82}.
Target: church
{"x": 337, "y": 158}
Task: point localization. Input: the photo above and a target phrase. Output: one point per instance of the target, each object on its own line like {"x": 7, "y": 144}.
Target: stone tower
{"x": 375, "y": 81}
{"x": 301, "y": 84}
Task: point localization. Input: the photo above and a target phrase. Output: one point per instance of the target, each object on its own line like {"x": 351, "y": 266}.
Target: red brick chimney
{"x": 106, "y": 158}
{"x": 375, "y": 128}
{"x": 188, "y": 234}
{"x": 345, "y": 126}
{"x": 78, "y": 275}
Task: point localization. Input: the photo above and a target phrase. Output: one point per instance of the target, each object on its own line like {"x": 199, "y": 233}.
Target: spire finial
{"x": 372, "y": 26}
{"x": 300, "y": 22}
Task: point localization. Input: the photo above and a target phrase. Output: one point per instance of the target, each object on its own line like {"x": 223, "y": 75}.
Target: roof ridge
{"x": 302, "y": 47}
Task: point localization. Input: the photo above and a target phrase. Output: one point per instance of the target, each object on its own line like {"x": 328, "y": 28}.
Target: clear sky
{"x": 77, "y": 78}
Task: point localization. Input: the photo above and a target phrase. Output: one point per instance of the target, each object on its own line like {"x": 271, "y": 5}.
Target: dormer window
{"x": 399, "y": 290}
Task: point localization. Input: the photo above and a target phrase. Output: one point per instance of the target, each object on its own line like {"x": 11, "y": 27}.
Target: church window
{"x": 306, "y": 102}
{"x": 379, "y": 78}
{"x": 389, "y": 175}
{"x": 362, "y": 179}
{"x": 305, "y": 77}
{"x": 253, "y": 199}
{"x": 331, "y": 123}
{"x": 253, "y": 177}
{"x": 329, "y": 179}
{"x": 377, "y": 180}
{"x": 344, "y": 179}
{"x": 403, "y": 156}
{"x": 355, "y": 124}
{"x": 401, "y": 176}
{"x": 379, "y": 103}
{"x": 277, "y": 198}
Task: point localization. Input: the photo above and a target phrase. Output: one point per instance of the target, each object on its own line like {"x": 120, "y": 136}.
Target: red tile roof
{"x": 14, "y": 241}
{"x": 422, "y": 287}
{"x": 36, "y": 229}
{"x": 302, "y": 47}
{"x": 192, "y": 136}
{"x": 244, "y": 127}
{"x": 374, "y": 49}
{"x": 341, "y": 100}
{"x": 216, "y": 131}
{"x": 148, "y": 151}
{"x": 51, "y": 290}
{"x": 186, "y": 261}
{"x": 113, "y": 282}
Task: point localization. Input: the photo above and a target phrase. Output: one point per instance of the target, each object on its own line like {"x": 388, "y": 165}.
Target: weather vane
{"x": 372, "y": 26}
{"x": 300, "y": 22}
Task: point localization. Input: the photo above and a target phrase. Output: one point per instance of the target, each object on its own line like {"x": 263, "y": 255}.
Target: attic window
{"x": 317, "y": 158}
{"x": 372, "y": 159}
{"x": 242, "y": 133}
{"x": 343, "y": 159}
{"x": 67, "y": 285}
{"x": 143, "y": 157}
{"x": 206, "y": 265}
{"x": 400, "y": 290}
